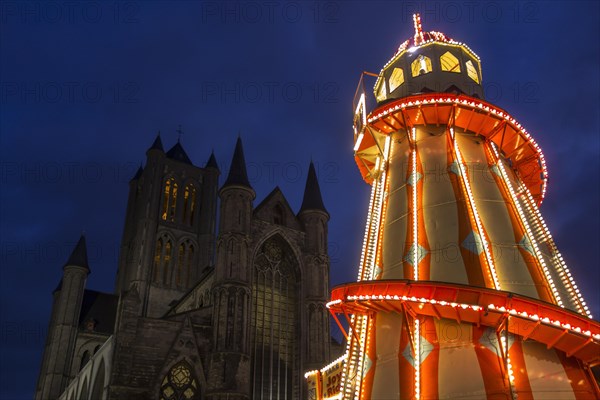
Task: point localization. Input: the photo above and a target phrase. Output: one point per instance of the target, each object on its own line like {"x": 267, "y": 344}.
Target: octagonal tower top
{"x": 429, "y": 62}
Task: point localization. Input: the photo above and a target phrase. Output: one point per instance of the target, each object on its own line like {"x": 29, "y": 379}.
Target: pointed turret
{"x": 64, "y": 324}
{"x": 157, "y": 145}
{"x": 312, "y": 193}
{"x": 212, "y": 162}
{"x": 178, "y": 153}
{"x": 237, "y": 171}
{"x": 138, "y": 173}
{"x": 79, "y": 257}
{"x": 314, "y": 218}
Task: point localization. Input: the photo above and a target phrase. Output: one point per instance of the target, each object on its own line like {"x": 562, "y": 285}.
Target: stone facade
{"x": 196, "y": 314}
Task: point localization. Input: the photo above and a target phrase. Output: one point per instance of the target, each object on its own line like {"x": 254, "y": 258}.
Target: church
{"x": 197, "y": 312}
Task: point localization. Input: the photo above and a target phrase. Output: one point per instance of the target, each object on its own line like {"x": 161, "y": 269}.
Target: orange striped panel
{"x": 474, "y": 264}
{"x": 495, "y": 376}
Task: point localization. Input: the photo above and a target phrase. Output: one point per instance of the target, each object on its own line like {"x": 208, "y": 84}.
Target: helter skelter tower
{"x": 461, "y": 292}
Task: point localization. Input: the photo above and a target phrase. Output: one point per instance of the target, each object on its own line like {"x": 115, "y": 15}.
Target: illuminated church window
{"x": 166, "y": 262}
{"x": 162, "y": 261}
{"x": 449, "y": 62}
{"x": 169, "y": 200}
{"x": 421, "y": 65}
{"x": 396, "y": 79}
{"x": 472, "y": 71}
{"x": 189, "y": 204}
{"x": 275, "y": 322}
{"x": 157, "y": 259}
{"x": 179, "y": 384}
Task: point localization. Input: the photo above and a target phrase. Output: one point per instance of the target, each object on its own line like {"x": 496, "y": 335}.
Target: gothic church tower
{"x": 196, "y": 316}
{"x": 169, "y": 227}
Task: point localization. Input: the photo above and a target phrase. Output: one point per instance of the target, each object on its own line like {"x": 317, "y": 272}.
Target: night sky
{"x": 86, "y": 86}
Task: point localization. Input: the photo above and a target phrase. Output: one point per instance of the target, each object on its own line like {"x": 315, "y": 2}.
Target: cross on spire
{"x": 179, "y": 133}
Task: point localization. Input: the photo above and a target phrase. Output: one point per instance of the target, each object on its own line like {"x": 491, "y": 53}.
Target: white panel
{"x": 512, "y": 271}
{"x": 439, "y": 210}
{"x": 386, "y": 383}
{"x": 395, "y": 229}
{"x": 457, "y": 361}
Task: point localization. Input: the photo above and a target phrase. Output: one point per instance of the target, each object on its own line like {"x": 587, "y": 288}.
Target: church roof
{"x": 312, "y": 192}
{"x": 237, "y": 170}
{"x": 157, "y": 145}
{"x": 212, "y": 162}
{"x": 178, "y": 153}
{"x": 79, "y": 255}
{"x": 102, "y": 308}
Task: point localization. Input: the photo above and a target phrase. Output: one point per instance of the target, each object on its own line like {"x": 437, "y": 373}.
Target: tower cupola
{"x": 429, "y": 62}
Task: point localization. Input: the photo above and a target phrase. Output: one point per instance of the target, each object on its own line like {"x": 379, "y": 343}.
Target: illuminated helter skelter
{"x": 461, "y": 290}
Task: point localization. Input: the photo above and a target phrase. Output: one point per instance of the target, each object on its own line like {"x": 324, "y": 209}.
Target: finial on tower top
{"x": 179, "y": 133}
{"x": 418, "y": 29}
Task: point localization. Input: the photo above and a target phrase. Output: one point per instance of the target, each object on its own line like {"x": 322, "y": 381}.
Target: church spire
{"x": 212, "y": 162}
{"x": 312, "y": 192}
{"x": 79, "y": 257}
{"x": 138, "y": 173}
{"x": 157, "y": 145}
{"x": 237, "y": 170}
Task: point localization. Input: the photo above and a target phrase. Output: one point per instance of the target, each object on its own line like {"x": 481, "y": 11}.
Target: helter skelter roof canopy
{"x": 434, "y": 80}
{"x": 429, "y": 62}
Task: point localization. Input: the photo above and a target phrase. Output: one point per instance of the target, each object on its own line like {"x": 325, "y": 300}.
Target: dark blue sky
{"x": 86, "y": 86}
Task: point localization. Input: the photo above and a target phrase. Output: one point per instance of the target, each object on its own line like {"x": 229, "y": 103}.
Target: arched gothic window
{"x": 166, "y": 264}
{"x": 157, "y": 259}
{"x": 169, "y": 200}
{"x": 180, "y": 383}
{"x": 84, "y": 359}
{"x": 162, "y": 261}
{"x": 180, "y": 261}
{"x": 189, "y": 204}
{"x": 185, "y": 260}
{"x": 275, "y": 322}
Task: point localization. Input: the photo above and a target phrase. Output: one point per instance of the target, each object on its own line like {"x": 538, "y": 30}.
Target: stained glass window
{"x": 275, "y": 325}
{"x": 180, "y": 384}
{"x": 169, "y": 200}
